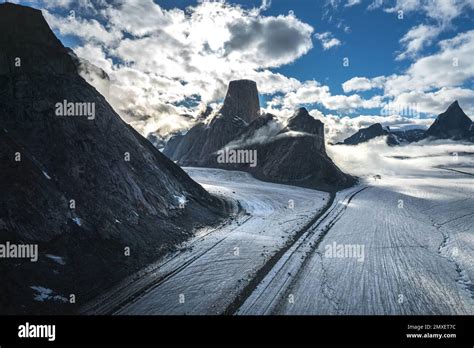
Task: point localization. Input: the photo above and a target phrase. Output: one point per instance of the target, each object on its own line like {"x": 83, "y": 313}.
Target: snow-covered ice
{"x": 418, "y": 238}
{"x": 414, "y": 226}
{"x": 206, "y": 275}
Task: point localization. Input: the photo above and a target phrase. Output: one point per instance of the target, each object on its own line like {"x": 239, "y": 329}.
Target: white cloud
{"x": 352, "y": 3}
{"x": 160, "y": 59}
{"x": 327, "y": 40}
{"x": 443, "y": 11}
{"x": 363, "y": 84}
{"x": 439, "y": 16}
{"x": 438, "y": 101}
{"x": 417, "y": 38}
{"x": 432, "y": 81}
{"x": 312, "y": 92}
{"x": 450, "y": 67}
{"x": 89, "y": 29}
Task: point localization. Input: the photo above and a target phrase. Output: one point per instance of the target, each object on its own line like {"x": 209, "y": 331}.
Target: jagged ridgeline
{"x": 452, "y": 124}
{"x": 237, "y": 137}
{"x": 95, "y": 196}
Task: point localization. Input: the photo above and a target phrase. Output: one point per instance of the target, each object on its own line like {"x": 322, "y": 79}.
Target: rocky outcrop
{"x": 241, "y": 101}
{"x": 83, "y": 185}
{"x": 241, "y": 106}
{"x": 451, "y": 124}
{"x": 297, "y": 156}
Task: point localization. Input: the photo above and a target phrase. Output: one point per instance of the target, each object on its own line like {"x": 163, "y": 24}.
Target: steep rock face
{"x": 302, "y": 121}
{"x": 295, "y": 155}
{"x": 242, "y": 100}
{"x": 84, "y": 187}
{"x": 241, "y": 106}
{"x": 451, "y": 124}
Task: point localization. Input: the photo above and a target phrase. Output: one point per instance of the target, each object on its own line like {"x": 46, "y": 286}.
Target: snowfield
{"x": 398, "y": 244}
{"x": 208, "y": 273}
{"x": 418, "y": 239}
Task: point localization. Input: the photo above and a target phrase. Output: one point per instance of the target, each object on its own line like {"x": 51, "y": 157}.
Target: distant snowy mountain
{"x": 451, "y": 124}
{"x": 366, "y": 134}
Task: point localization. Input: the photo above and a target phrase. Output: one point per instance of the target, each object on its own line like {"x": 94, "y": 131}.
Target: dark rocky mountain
{"x": 365, "y": 134}
{"x": 408, "y": 135}
{"x": 83, "y": 187}
{"x": 294, "y": 154}
{"x": 297, "y": 156}
{"x": 393, "y": 138}
{"x": 451, "y": 124}
{"x": 241, "y": 106}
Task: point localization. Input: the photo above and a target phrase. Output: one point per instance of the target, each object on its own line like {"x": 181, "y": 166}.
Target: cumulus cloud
{"x": 363, "y": 84}
{"x": 268, "y": 42}
{"x": 439, "y": 10}
{"x": 167, "y": 62}
{"x": 327, "y": 40}
{"x": 438, "y": 101}
{"x": 312, "y": 92}
{"x": 416, "y": 39}
{"x": 432, "y": 81}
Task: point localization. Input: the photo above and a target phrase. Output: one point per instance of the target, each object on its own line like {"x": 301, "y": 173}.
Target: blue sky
{"x": 173, "y": 56}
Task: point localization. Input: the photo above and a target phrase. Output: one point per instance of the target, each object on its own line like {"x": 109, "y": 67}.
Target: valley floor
{"x": 209, "y": 272}
{"x": 414, "y": 238}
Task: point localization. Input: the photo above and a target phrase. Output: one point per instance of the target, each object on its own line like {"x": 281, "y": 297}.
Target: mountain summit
{"x": 26, "y": 41}
{"x": 76, "y": 179}
{"x": 242, "y": 100}
{"x": 451, "y": 124}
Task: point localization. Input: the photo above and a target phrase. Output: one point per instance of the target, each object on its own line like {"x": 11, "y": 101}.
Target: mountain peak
{"x": 454, "y": 106}
{"x": 28, "y": 45}
{"x": 301, "y": 112}
{"x": 376, "y": 127}
{"x": 242, "y": 100}
{"x": 366, "y": 134}
{"x": 302, "y": 121}
{"x": 451, "y": 124}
